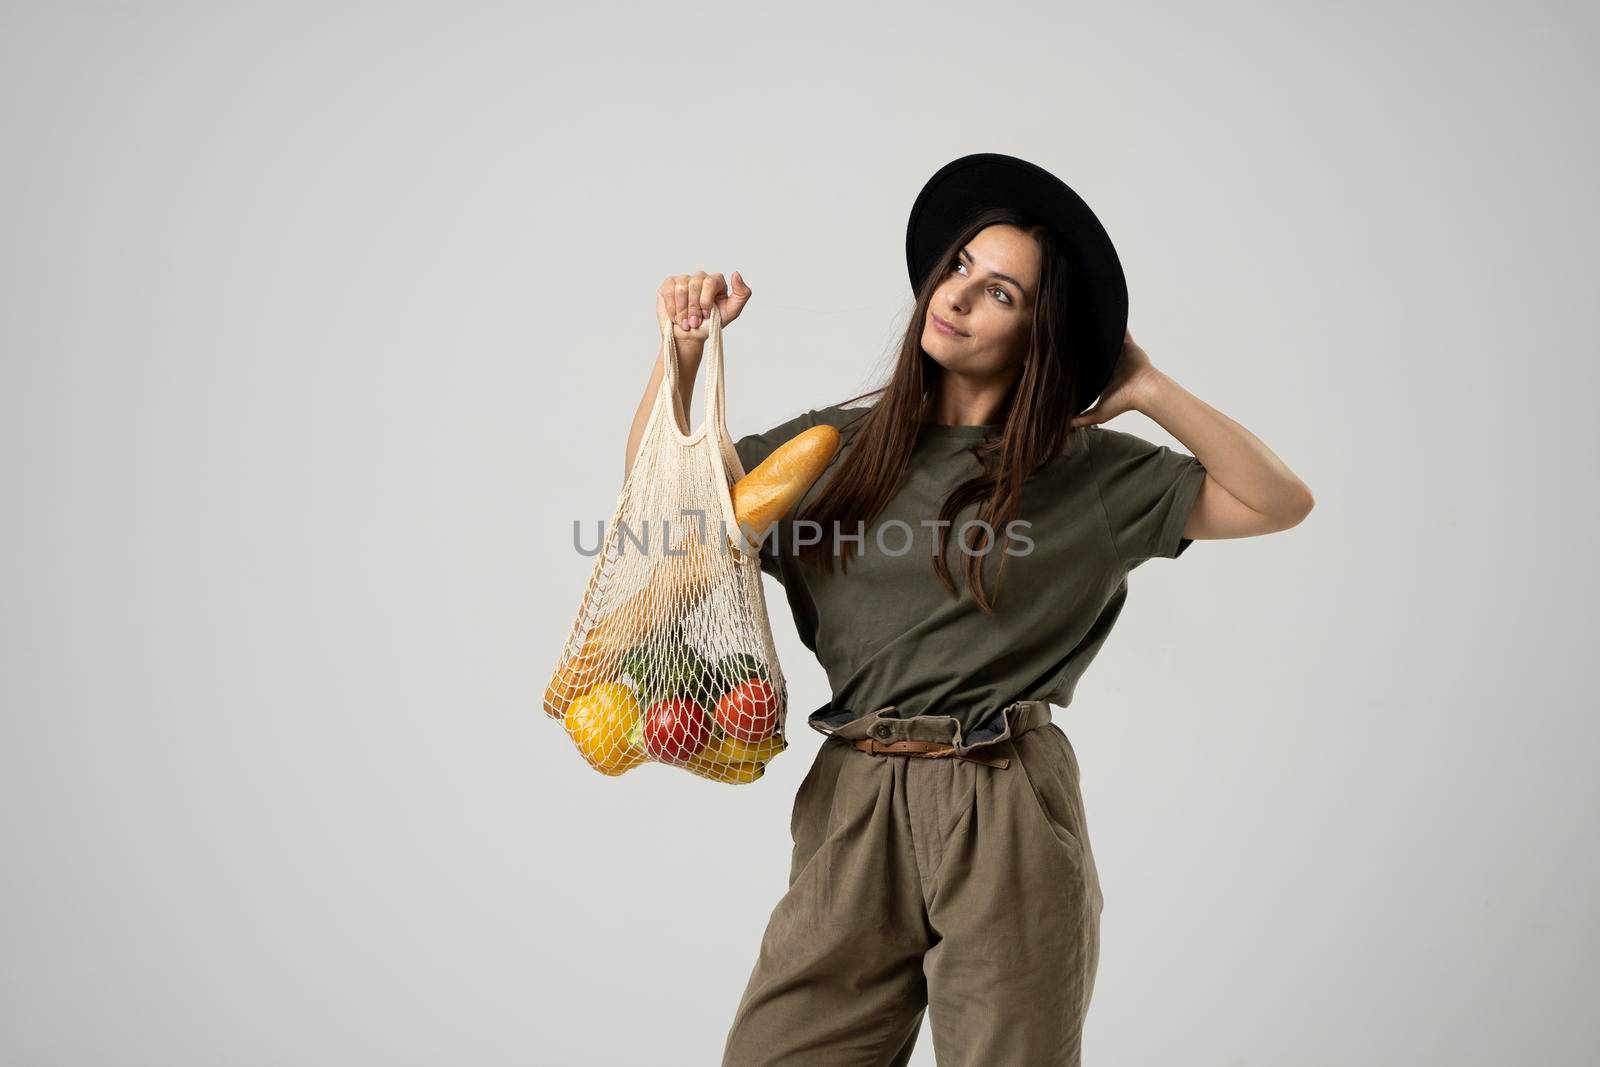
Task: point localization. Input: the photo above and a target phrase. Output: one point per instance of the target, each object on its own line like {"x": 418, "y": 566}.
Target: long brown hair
{"x": 1036, "y": 412}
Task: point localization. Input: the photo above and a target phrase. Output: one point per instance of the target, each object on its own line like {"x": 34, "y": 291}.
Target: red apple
{"x": 748, "y": 711}
{"x": 675, "y": 729}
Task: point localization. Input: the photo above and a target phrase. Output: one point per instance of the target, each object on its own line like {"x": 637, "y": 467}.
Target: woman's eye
{"x": 992, "y": 288}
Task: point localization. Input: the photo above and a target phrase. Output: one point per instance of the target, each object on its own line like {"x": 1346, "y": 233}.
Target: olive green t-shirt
{"x": 887, "y": 632}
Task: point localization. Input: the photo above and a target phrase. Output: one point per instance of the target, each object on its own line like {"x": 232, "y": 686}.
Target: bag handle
{"x": 722, "y": 453}
{"x": 715, "y": 402}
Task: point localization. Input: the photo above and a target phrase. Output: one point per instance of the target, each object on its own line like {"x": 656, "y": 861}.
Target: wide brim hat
{"x": 961, "y": 188}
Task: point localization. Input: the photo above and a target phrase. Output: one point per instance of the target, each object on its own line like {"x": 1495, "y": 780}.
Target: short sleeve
{"x": 753, "y": 449}
{"x": 1147, "y": 490}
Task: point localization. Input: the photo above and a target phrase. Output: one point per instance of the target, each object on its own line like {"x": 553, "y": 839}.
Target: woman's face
{"x": 988, "y": 295}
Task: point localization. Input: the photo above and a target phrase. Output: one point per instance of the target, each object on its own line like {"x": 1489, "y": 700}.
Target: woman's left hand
{"x": 1125, "y": 390}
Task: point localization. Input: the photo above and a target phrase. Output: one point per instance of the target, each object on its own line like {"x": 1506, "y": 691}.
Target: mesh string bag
{"x": 670, "y": 658}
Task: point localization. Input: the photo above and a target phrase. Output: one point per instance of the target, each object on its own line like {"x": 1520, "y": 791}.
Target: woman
{"x": 941, "y": 856}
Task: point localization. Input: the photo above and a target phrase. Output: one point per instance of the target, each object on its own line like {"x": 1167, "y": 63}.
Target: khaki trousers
{"x": 930, "y": 885}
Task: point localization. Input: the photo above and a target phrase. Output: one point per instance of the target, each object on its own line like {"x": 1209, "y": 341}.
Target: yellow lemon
{"x": 599, "y": 723}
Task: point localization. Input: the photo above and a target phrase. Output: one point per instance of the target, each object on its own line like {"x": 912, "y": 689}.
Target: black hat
{"x": 963, "y": 187}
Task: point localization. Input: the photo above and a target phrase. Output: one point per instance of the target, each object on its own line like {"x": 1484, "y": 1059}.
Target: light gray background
{"x": 321, "y": 326}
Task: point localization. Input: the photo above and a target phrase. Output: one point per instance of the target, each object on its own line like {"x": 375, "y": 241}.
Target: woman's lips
{"x": 944, "y": 327}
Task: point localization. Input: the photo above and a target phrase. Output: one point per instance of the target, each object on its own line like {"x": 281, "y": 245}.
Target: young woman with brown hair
{"x": 955, "y": 570}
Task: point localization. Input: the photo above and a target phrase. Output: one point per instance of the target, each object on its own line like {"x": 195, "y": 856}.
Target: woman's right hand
{"x": 685, "y": 300}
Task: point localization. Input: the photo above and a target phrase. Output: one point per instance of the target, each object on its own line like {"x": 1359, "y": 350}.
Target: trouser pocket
{"x": 1045, "y": 759}
{"x": 802, "y": 794}
{"x": 812, "y": 819}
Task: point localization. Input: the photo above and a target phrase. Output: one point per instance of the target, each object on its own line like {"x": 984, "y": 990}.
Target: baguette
{"x": 760, "y": 499}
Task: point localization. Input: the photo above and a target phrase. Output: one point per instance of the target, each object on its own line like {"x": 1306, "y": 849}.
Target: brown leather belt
{"x": 926, "y": 750}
